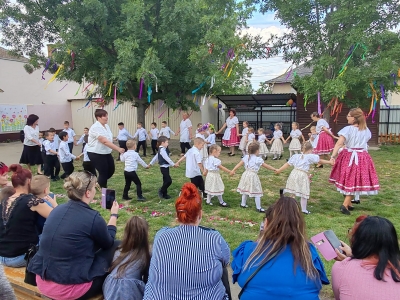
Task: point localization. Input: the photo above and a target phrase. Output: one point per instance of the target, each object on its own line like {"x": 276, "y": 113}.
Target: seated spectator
{"x": 188, "y": 261}
{"x": 76, "y": 246}
{"x": 19, "y": 213}
{"x": 371, "y": 269}
{"x": 284, "y": 264}
{"x": 6, "y": 189}
{"x": 130, "y": 268}
{"x": 6, "y": 291}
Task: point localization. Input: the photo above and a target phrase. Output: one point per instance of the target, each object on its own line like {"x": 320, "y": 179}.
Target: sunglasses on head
{"x": 90, "y": 180}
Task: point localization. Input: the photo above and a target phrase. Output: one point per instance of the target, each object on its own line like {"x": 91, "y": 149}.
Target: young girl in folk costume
{"x": 353, "y": 172}
{"x": 295, "y": 135}
{"x": 214, "y": 185}
{"x": 312, "y": 136}
{"x": 298, "y": 182}
{"x": 250, "y": 185}
{"x": 201, "y": 129}
{"x": 251, "y": 137}
{"x": 323, "y": 144}
{"x": 261, "y": 140}
{"x": 276, "y": 141}
{"x": 243, "y": 140}
{"x": 210, "y": 140}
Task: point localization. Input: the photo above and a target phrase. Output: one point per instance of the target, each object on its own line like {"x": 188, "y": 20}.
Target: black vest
{"x": 161, "y": 159}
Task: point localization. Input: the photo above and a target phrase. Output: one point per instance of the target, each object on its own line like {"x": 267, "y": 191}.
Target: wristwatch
{"x": 114, "y": 215}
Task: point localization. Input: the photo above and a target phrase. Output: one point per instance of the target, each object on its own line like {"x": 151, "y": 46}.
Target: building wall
{"x": 283, "y": 88}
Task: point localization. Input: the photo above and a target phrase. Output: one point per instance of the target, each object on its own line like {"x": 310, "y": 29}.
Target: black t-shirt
{"x": 18, "y": 225}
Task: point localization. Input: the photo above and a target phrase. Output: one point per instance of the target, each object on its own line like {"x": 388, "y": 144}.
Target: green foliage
{"x": 322, "y": 32}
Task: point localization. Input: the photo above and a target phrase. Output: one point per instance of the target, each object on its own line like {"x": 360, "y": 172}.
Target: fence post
{"x": 388, "y": 120}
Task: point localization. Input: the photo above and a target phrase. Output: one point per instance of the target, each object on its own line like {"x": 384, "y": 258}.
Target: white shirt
{"x": 245, "y": 131}
{"x": 154, "y": 133}
{"x": 212, "y": 163}
{"x": 211, "y": 139}
{"x": 131, "y": 159}
{"x": 64, "y": 154}
{"x": 295, "y": 134}
{"x": 199, "y": 135}
{"x": 230, "y": 123}
{"x": 251, "y": 137}
{"x": 277, "y": 134}
{"x": 71, "y": 134}
{"x": 49, "y": 146}
{"x": 166, "y": 131}
{"x": 141, "y": 134}
{"x": 355, "y": 138}
{"x": 261, "y": 138}
{"x": 123, "y": 135}
{"x": 184, "y": 131}
{"x": 95, "y": 131}
{"x": 165, "y": 155}
{"x": 57, "y": 140}
{"x": 303, "y": 161}
{"x": 31, "y": 134}
{"x": 321, "y": 123}
{"x": 193, "y": 159}
{"x": 85, "y": 155}
{"x": 252, "y": 162}
{"x": 81, "y": 139}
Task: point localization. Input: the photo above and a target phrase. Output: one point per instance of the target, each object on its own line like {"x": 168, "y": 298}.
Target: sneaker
{"x": 167, "y": 196}
{"x": 224, "y": 204}
{"x": 350, "y": 208}
{"x": 126, "y": 198}
{"x": 243, "y": 206}
{"x": 141, "y": 198}
{"x": 261, "y": 210}
{"x": 355, "y": 201}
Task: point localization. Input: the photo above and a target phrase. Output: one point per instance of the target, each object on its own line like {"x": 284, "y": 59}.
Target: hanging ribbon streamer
{"x": 305, "y": 102}
{"x": 319, "y": 102}
{"x": 54, "y": 76}
{"x": 162, "y": 113}
{"x": 147, "y": 109}
{"x": 149, "y": 92}
{"x": 92, "y": 89}
{"x": 87, "y": 103}
{"x": 117, "y": 106}
{"x": 383, "y": 95}
{"x": 199, "y": 87}
{"x": 109, "y": 90}
{"x": 78, "y": 89}
{"x": 121, "y": 87}
{"x": 348, "y": 59}
{"x": 394, "y": 79}
{"x": 178, "y": 113}
{"x": 290, "y": 72}
{"x": 373, "y": 98}
{"x": 233, "y": 64}
{"x": 87, "y": 87}
{"x": 63, "y": 87}
{"x": 211, "y": 86}
{"x": 115, "y": 95}
{"x": 46, "y": 68}
{"x": 141, "y": 88}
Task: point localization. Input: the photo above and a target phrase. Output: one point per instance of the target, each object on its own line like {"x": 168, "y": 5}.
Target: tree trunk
{"x": 140, "y": 111}
{"x": 327, "y": 113}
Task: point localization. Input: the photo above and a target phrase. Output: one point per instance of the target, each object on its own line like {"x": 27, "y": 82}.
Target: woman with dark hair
{"x": 231, "y": 135}
{"x": 282, "y": 264}
{"x": 188, "y": 261}
{"x": 99, "y": 147}
{"x": 372, "y": 268}
{"x": 31, "y": 155}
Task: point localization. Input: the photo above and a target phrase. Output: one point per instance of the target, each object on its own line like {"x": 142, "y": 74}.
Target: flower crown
{"x": 207, "y": 126}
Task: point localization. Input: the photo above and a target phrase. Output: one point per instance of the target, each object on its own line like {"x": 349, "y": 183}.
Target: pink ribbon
{"x": 319, "y": 102}
{"x": 63, "y": 87}
{"x": 141, "y": 88}
{"x": 162, "y": 113}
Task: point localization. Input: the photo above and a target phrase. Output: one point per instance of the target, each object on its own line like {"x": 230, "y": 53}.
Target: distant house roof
{"x": 6, "y": 54}
{"x": 301, "y": 70}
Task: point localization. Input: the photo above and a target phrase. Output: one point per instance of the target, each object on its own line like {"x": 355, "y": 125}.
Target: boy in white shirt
{"x": 87, "y": 164}
{"x": 71, "y": 136}
{"x": 53, "y": 165}
{"x": 165, "y": 130}
{"x": 82, "y": 138}
{"x": 56, "y": 137}
{"x": 131, "y": 159}
{"x": 194, "y": 166}
{"x": 66, "y": 157}
{"x": 142, "y": 136}
{"x": 154, "y": 133}
{"x": 123, "y": 136}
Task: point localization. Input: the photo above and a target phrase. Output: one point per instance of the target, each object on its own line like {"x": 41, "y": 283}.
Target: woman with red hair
{"x": 4, "y": 176}
{"x": 188, "y": 261}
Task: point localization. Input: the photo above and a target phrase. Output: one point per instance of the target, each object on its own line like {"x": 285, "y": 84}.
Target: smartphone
{"x": 326, "y": 242}
{"x": 107, "y": 198}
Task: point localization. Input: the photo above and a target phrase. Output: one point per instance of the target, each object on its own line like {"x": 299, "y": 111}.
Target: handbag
{"x": 256, "y": 271}
{"x": 30, "y": 278}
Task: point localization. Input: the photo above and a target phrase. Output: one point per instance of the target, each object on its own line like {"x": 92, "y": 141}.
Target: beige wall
{"x": 283, "y": 88}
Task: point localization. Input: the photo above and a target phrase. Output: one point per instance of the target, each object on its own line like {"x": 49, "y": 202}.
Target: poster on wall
{"x": 13, "y": 117}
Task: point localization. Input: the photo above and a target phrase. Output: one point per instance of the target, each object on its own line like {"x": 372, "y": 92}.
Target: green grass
{"x": 237, "y": 224}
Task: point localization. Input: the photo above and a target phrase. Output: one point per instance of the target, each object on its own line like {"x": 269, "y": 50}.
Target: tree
{"x": 173, "y": 46}
{"x": 349, "y": 44}
{"x": 265, "y": 88}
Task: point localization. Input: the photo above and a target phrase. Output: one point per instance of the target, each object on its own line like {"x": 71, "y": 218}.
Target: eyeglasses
{"x": 90, "y": 180}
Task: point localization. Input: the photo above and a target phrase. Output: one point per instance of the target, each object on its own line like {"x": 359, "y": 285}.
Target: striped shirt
{"x": 187, "y": 263}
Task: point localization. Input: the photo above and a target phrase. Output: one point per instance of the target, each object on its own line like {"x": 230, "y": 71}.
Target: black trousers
{"x": 143, "y": 144}
{"x": 53, "y": 166}
{"x": 185, "y": 146}
{"x": 104, "y": 164}
{"x": 129, "y": 178}
{"x": 87, "y": 166}
{"x": 45, "y": 167}
{"x": 83, "y": 146}
{"x": 122, "y": 144}
{"x": 198, "y": 181}
{"x": 97, "y": 284}
{"x": 68, "y": 168}
{"x": 167, "y": 180}
{"x": 154, "y": 146}
{"x": 70, "y": 146}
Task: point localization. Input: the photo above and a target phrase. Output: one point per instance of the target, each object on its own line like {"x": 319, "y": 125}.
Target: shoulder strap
{"x": 256, "y": 271}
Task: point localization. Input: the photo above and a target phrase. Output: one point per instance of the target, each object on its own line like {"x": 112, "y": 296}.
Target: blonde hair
{"x": 297, "y": 124}
{"x": 214, "y": 147}
{"x": 253, "y": 147}
{"x": 261, "y": 130}
{"x": 38, "y": 184}
{"x": 198, "y": 141}
{"x": 307, "y": 146}
{"x": 251, "y": 129}
{"x": 279, "y": 125}
{"x": 359, "y": 118}
{"x": 77, "y": 184}
{"x": 131, "y": 144}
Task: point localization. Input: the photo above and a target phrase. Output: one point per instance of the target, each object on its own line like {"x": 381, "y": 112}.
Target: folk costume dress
{"x": 250, "y": 184}
{"x": 277, "y": 145}
{"x": 230, "y": 138}
{"x": 214, "y": 185}
{"x": 298, "y": 182}
{"x": 251, "y": 137}
{"x": 295, "y": 144}
{"x": 263, "y": 147}
{"x": 323, "y": 144}
{"x": 354, "y": 171}
{"x": 243, "y": 140}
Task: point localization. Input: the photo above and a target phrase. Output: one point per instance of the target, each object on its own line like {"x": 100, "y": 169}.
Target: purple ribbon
{"x": 141, "y": 88}
{"x": 319, "y": 102}
{"x": 383, "y": 95}
{"x": 46, "y": 68}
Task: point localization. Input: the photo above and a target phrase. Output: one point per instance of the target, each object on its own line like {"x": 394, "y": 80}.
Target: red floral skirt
{"x": 325, "y": 144}
{"x": 233, "y": 140}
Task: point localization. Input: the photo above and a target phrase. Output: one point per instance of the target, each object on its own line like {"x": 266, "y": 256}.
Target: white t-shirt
{"x": 131, "y": 159}
{"x": 211, "y": 139}
{"x": 71, "y": 134}
{"x": 355, "y": 138}
{"x": 166, "y": 131}
{"x": 193, "y": 158}
{"x": 252, "y": 162}
{"x": 303, "y": 161}
{"x": 321, "y": 123}
{"x": 64, "y": 154}
{"x": 154, "y": 133}
{"x": 295, "y": 133}
{"x": 245, "y": 131}
{"x": 31, "y": 134}
{"x": 212, "y": 163}
{"x": 230, "y": 123}
{"x": 184, "y": 131}
{"x": 277, "y": 134}
{"x": 95, "y": 131}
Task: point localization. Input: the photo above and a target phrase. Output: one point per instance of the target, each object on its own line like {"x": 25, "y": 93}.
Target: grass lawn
{"x": 237, "y": 224}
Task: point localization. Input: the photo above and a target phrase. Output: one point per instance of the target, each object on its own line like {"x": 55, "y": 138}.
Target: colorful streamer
{"x": 199, "y": 87}
{"x": 63, "y": 87}
{"x": 109, "y": 90}
{"x": 54, "y": 76}
{"x": 87, "y": 87}
{"x": 121, "y": 87}
{"x": 46, "y": 68}
{"x": 141, "y": 88}
{"x": 149, "y": 92}
{"x": 78, "y": 89}
{"x": 383, "y": 95}
{"x": 348, "y": 59}
{"x": 117, "y": 106}
{"x": 319, "y": 102}
{"x": 162, "y": 113}
{"x": 87, "y": 103}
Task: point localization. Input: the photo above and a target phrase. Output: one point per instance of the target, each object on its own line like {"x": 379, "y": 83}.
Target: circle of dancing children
{"x": 261, "y": 140}
{"x": 295, "y": 135}
{"x": 298, "y": 183}
{"x": 251, "y": 137}
{"x": 277, "y": 142}
{"x": 243, "y": 140}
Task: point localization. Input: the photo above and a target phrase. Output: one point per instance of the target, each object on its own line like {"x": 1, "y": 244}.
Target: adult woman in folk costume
{"x": 231, "y": 135}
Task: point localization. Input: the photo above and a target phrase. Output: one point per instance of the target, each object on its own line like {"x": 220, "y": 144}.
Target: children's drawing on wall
{"x": 13, "y": 117}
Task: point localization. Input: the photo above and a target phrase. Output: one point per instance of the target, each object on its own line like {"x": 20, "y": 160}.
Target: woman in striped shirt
{"x": 188, "y": 261}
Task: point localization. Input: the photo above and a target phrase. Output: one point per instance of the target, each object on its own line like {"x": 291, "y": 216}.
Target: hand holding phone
{"x": 327, "y": 243}
{"x": 107, "y": 198}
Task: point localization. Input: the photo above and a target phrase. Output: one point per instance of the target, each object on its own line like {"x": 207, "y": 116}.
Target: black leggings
{"x": 104, "y": 164}
{"x": 97, "y": 284}
{"x": 185, "y": 146}
{"x": 87, "y": 166}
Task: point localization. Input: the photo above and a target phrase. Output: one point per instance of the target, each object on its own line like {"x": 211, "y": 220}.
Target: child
{"x": 131, "y": 159}
{"x": 250, "y": 185}
{"x": 142, "y": 136}
{"x": 154, "y": 133}
{"x": 123, "y": 136}
{"x": 214, "y": 185}
{"x": 261, "y": 140}
{"x": 165, "y": 130}
{"x": 162, "y": 157}
{"x": 243, "y": 140}
{"x": 200, "y": 134}
{"x": 43, "y": 166}
{"x": 210, "y": 140}
{"x": 298, "y": 182}
{"x": 276, "y": 141}
{"x": 251, "y": 137}
{"x": 56, "y": 137}
{"x": 194, "y": 166}
{"x": 53, "y": 165}
{"x": 87, "y": 164}
{"x": 66, "y": 157}
{"x": 295, "y": 135}
{"x": 313, "y": 135}
{"x": 82, "y": 138}
{"x": 71, "y": 135}
{"x": 130, "y": 267}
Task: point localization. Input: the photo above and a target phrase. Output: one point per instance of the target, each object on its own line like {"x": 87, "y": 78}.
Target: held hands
{"x": 231, "y": 173}
{"x": 121, "y": 150}
{"x": 148, "y": 167}
{"x": 204, "y": 173}
{"x": 115, "y": 208}
{"x": 176, "y": 165}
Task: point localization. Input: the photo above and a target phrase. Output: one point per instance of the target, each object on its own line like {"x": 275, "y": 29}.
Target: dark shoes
{"x": 261, "y": 210}
{"x": 344, "y": 210}
{"x": 355, "y": 201}
{"x": 126, "y": 198}
{"x": 167, "y": 197}
{"x": 141, "y": 198}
